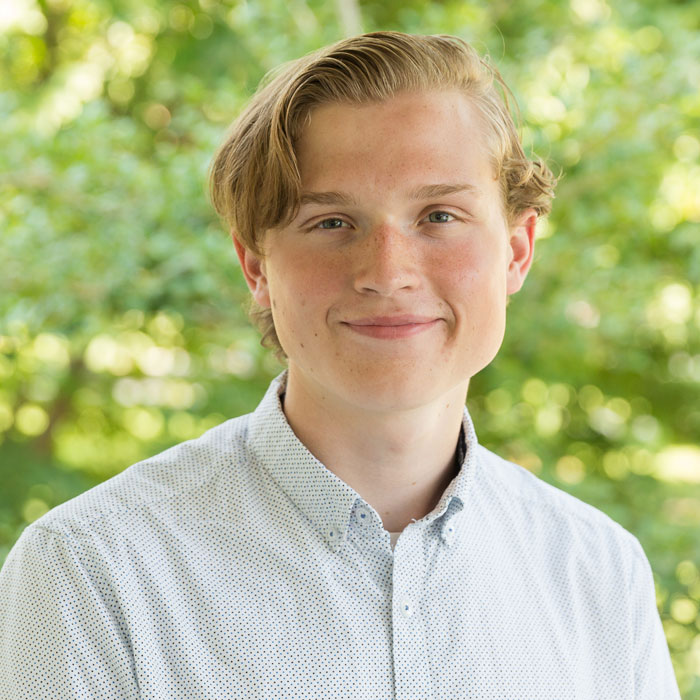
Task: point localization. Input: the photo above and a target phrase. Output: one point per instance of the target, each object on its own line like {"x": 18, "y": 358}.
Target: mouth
{"x": 391, "y": 327}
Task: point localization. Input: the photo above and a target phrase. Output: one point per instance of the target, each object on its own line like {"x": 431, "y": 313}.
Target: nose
{"x": 387, "y": 261}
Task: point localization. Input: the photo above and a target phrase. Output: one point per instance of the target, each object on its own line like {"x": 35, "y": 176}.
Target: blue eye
{"x": 440, "y": 217}
{"x": 331, "y": 223}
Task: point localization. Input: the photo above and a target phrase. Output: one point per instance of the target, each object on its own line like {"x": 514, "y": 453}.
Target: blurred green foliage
{"x": 121, "y": 329}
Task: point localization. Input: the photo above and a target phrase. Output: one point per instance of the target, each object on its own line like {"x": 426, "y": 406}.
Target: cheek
{"x": 474, "y": 286}
{"x": 302, "y": 292}
{"x": 302, "y": 287}
{"x": 474, "y": 274}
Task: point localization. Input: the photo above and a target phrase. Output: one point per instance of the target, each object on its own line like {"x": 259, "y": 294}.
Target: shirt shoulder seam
{"x": 562, "y": 498}
{"x": 64, "y": 526}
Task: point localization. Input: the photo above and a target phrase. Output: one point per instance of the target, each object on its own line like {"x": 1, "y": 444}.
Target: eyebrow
{"x": 422, "y": 192}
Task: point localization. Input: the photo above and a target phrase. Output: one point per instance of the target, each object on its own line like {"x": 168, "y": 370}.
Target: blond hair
{"x": 254, "y": 177}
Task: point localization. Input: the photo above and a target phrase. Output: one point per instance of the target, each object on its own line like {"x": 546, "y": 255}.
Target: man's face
{"x": 388, "y": 289}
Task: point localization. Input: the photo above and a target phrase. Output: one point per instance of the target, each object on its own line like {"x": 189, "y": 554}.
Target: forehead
{"x": 437, "y": 135}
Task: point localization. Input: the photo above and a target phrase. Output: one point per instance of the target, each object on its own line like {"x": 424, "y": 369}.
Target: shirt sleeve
{"x": 654, "y": 674}
{"x": 58, "y": 639}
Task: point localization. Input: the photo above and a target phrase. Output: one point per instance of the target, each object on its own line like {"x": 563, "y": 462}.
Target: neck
{"x": 399, "y": 461}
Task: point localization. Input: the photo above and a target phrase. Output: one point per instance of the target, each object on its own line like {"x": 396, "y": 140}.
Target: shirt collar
{"x": 325, "y": 499}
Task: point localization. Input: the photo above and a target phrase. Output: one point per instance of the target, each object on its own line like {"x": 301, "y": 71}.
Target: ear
{"x": 253, "y": 267}
{"x": 522, "y": 248}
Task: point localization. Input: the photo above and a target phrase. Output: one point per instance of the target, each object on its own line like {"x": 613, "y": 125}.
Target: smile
{"x": 390, "y": 328}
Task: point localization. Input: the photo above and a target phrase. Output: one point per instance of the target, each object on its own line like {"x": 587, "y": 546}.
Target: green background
{"x": 121, "y": 328}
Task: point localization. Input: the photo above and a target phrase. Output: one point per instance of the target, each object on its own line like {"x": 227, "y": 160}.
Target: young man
{"x": 350, "y": 538}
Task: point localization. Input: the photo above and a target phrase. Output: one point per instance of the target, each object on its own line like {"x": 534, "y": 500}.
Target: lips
{"x": 401, "y": 320}
{"x": 391, "y": 327}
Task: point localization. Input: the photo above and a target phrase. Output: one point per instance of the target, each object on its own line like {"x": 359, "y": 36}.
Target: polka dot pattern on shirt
{"x": 237, "y": 566}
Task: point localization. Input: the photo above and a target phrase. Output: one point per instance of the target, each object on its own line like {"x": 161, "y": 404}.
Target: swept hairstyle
{"x": 254, "y": 177}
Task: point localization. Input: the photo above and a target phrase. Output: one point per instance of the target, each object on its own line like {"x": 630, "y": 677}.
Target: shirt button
{"x": 448, "y": 534}
{"x": 363, "y": 515}
{"x": 406, "y": 608}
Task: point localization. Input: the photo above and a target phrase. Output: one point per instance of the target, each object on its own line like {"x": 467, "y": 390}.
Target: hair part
{"x": 254, "y": 178}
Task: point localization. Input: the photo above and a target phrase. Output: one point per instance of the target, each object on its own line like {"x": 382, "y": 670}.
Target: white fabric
{"x": 238, "y": 566}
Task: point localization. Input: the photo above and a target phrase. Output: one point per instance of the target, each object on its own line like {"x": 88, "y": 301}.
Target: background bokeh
{"x": 121, "y": 328}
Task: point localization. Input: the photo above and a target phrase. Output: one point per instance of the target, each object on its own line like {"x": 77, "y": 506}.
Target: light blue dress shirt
{"x": 237, "y": 566}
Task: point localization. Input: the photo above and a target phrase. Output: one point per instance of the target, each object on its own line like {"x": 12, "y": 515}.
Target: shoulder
{"x": 169, "y": 477}
{"x": 561, "y": 515}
